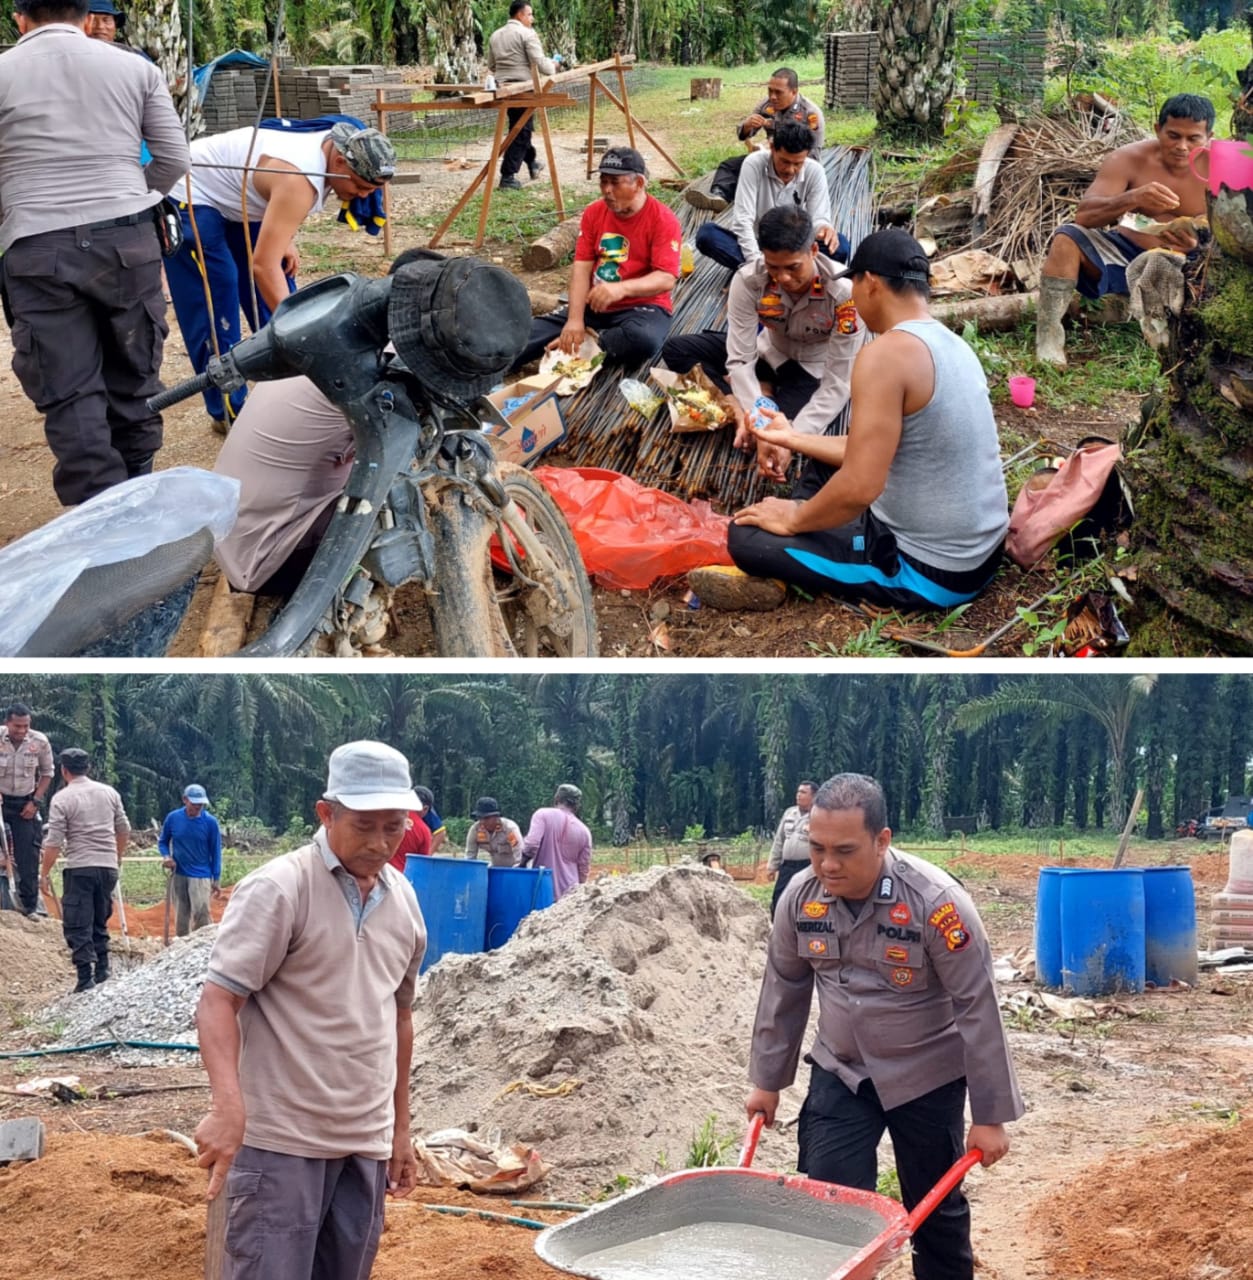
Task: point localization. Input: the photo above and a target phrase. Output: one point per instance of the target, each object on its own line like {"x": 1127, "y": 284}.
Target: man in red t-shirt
{"x": 417, "y": 839}
{"x": 626, "y": 262}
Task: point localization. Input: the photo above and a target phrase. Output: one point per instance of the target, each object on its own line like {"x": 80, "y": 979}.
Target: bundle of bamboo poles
{"x": 604, "y": 431}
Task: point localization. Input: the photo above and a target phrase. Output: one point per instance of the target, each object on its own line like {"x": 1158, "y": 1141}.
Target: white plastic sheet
{"x": 126, "y": 521}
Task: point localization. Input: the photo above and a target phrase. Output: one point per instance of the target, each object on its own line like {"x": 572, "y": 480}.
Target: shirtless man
{"x": 1149, "y": 178}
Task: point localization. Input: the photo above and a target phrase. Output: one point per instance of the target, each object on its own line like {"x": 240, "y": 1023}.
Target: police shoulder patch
{"x": 846, "y": 318}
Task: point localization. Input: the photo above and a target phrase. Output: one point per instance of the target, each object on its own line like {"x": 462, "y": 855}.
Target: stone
{"x": 21, "y": 1139}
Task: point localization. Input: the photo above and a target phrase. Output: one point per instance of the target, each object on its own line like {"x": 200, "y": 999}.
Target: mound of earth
{"x": 98, "y": 1207}
{"x": 640, "y": 988}
{"x": 1185, "y": 1213}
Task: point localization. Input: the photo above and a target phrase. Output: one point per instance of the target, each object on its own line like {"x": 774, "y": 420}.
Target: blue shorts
{"x": 1107, "y": 251}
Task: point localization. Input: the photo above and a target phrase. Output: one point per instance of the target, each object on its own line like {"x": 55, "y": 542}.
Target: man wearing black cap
{"x": 291, "y": 449}
{"x": 493, "y": 838}
{"x": 915, "y": 513}
{"x": 82, "y": 262}
{"x": 105, "y": 20}
{"x": 626, "y": 261}
{"x": 87, "y": 822}
{"x": 287, "y": 175}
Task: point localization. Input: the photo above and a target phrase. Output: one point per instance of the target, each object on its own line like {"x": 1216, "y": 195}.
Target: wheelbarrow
{"x": 741, "y": 1224}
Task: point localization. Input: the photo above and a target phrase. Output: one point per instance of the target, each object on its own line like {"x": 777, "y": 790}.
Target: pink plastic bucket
{"x": 1022, "y": 391}
{"x": 1230, "y": 164}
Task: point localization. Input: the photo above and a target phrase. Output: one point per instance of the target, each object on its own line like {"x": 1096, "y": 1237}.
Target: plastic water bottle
{"x": 762, "y": 406}
{"x": 490, "y": 83}
{"x": 687, "y": 259}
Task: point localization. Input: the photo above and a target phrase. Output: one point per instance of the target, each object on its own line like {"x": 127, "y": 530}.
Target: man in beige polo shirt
{"x": 86, "y": 822}
{"x": 306, "y": 1032}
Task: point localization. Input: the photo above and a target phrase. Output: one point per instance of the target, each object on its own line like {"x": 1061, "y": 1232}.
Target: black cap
{"x": 75, "y": 759}
{"x": 622, "y": 160}
{"x": 892, "y": 253}
{"x": 486, "y": 807}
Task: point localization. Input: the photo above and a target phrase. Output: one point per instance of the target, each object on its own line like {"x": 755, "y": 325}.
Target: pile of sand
{"x": 34, "y": 961}
{"x": 642, "y": 988}
{"x": 1179, "y": 1214}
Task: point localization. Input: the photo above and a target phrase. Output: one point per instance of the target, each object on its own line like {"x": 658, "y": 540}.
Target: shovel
{"x": 741, "y": 1224}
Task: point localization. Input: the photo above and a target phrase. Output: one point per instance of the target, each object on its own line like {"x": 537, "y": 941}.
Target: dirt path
{"x": 1125, "y": 1117}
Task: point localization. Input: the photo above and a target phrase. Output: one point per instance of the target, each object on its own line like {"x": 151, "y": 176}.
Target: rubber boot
{"x": 85, "y": 980}
{"x": 102, "y": 972}
{"x": 1050, "y": 337}
{"x": 139, "y": 466}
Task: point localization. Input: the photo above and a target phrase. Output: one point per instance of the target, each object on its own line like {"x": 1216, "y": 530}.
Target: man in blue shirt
{"x": 191, "y": 846}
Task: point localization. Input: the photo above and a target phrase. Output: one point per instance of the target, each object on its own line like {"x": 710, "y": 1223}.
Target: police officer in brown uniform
{"x": 25, "y": 776}
{"x": 907, "y": 1019}
{"x": 86, "y": 822}
{"x": 493, "y": 838}
{"x": 790, "y": 851}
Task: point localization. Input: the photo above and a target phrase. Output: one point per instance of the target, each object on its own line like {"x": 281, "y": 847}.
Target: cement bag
{"x": 1055, "y": 501}
{"x": 629, "y": 535}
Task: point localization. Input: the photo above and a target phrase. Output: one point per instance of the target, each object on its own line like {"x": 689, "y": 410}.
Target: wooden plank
{"x": 994, "y": 149}
{"x": 215, "y": 1237}
{"x": 226, "y": 623}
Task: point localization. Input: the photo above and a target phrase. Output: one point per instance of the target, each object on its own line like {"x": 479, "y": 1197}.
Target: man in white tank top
{"x": 909, "y": 510}
{"x": 267, "y": 181}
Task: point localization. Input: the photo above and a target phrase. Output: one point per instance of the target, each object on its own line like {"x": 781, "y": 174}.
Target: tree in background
{"x": 916, "y": 69}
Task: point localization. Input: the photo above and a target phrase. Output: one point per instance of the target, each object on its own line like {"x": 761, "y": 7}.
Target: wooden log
{"x": 706, "y": 87}
{"x": 552, "y": 248}
{"x": 1003, "y": 312}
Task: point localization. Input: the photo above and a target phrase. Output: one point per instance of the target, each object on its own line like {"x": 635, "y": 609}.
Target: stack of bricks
{"x": 1006, "y": 68}
{"x": 851, "y": 66}
{"x": 235, "y": 95}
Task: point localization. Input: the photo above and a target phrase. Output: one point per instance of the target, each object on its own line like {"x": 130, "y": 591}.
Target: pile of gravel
{"x": 156, "y": 1001}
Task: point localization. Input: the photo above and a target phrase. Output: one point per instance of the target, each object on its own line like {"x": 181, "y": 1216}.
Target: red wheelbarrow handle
{"x": 923, "y": 1209}
{"x": 749, "y": 1149}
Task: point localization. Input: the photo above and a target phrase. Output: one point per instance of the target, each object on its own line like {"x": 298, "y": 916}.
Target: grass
{"x": 711, "y": 1146}
{"x": 143, "y": 883}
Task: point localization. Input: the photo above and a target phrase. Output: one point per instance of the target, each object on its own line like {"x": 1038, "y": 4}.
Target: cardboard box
{"x": 533, "y": 420}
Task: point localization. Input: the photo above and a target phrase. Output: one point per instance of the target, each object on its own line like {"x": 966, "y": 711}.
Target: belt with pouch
{"x": 126, "y": 220}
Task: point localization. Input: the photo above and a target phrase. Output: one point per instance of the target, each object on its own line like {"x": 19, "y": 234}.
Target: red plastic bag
{"x": 629, "y": 535}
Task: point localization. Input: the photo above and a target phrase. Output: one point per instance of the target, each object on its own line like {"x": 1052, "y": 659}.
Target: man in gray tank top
{"x": 909, "y": 510}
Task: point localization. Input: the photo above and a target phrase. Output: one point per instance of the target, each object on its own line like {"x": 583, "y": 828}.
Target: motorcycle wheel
{"x": 482, "y": 608}
{"x": 525, "y": 607}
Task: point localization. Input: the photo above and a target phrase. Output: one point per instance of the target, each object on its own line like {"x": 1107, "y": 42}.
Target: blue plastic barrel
{"x": 452, "y": 893}
{"x": 1169, "y": 926}
{"x": 1048, "y": 926}
{"x": 512, "y": 894}
{"x": 1102, "y": 916}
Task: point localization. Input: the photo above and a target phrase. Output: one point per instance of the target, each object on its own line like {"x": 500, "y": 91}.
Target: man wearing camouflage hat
{"x": 277, "y": 176}
{"x": 559, "y": 841}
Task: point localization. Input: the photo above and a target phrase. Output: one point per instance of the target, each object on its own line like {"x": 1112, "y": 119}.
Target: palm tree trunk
{"x": 156, "y": 27}
{"x": 1194, "y": 471}
{"x": 915, "y": 65}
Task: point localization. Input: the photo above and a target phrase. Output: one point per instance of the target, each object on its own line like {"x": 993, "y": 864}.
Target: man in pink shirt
{"x": 559, "y": 841}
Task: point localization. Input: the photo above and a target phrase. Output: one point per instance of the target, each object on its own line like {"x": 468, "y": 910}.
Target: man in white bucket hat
{"x": 306, "y": 1032}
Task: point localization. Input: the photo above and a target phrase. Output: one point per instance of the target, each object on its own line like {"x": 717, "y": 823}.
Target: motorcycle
{"x": 426, "y": 502}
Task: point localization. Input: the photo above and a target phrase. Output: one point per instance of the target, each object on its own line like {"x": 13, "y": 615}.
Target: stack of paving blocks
{"x": 1007, "y": 67}
{"x": 851, "y": 67}
{"x": 1231, "y": 911}
{"x": 236, "y": 94}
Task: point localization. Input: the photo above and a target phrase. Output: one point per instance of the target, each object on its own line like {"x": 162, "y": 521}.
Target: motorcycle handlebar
{"x": 172, "y": 395}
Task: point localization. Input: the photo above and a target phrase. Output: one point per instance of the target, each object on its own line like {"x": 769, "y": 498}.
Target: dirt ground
{"x": 656, "y": 623}
{"x": 1130, "y": 1164}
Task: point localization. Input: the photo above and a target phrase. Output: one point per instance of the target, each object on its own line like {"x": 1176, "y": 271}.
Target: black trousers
{"x": 727, "y": 176}
{"x": 839, "y": 1131}
{"x": 89, "y": 330}
{"x": 86, "y": 904}
{"x": 793, "y": 384}
{"x": 629, "y": 337}
{"x": 521, "y": 150}
{"x": 27, "y": 843}
{"x": 787, "y": 870}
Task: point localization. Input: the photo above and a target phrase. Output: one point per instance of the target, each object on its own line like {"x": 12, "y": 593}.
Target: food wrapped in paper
{"x": 575, "y": 371}
{"x": 694, "y": 402}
